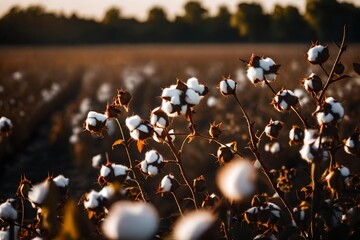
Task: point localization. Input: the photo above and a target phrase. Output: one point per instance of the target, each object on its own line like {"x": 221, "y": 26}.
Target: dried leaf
{"x": 140, "y": 145}
{"x": 190, "y": 138}
{"x": 357, "y": 68}
{"x": 117, "y": 142}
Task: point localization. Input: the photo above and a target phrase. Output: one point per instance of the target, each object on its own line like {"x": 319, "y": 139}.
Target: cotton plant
{"x": 308, "y": 199}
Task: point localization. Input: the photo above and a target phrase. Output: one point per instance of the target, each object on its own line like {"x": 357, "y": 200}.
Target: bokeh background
{"x": 58, "y": 63}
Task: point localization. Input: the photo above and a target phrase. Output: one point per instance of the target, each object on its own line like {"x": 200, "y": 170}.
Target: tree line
{"x": 323, "y": 19}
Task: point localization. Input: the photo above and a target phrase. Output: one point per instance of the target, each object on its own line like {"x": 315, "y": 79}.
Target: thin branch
{"x": 322, "y": 67}
{"x": 131, "y": 163}
{"x": 181, "y": 167}
{"x": 341, "y": 51}
{"x": 177, "y": 203}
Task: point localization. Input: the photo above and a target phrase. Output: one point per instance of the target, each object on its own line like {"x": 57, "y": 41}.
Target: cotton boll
{"x": 7, "y": 211}
{"x": 133, "y": 122}
{"x": 38, "y": 192}
{"x": 153, "y": 156}
{"x": 92, "y": 199}
{"x": 61, "y": 181}
{"x": 193, "y": 225}
{"x": 96, "y": 161}
{"x": 193, "y": 83}
{"x": 255, "y": 75}
{"x": 119, "y": 170}
{"x": 266, "y": 63}
{"x": 131, "y": 220}
{"x": 236, "y": 179}
{"x": 227, "y": 87}
{"x": 192, "y": 97}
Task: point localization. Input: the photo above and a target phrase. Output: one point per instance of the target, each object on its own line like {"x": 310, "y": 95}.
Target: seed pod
{"x": 312, "y": 83}
{"x": 5, "y": 126}
{"x": 199, "y": 184}
{"x": 284, "y": 100}
{"x": 318, "y": 54}
{"x": 215, "y": 130}
{"x": 273, "y": 128}
{"x": 296, "y": 135}
{"x": 123, "y": 98}
{"x": 227, "y": 87}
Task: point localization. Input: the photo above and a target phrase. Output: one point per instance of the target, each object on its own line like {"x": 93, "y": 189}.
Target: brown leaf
{"x": 140, "y": 145}
{"x": 357, "y": 68}
{"x": 117, "y": 142}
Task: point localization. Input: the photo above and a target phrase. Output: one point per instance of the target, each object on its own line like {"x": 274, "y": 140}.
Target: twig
{"x": 177, "y": 203}
{"x": 341, "y": 51}
{"x": 255, "y": 151}
{"x": 180, "y": 165}
{"x": 131, "y": 164}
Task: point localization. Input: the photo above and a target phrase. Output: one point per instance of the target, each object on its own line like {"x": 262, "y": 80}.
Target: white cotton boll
{"x": 175, "y": 100}
{"x": 135, "y": 134}
{"x": 152, "y": 170}
{"x": 107, "y": 192}
{"x": 167, "y": 107}
{"x": 7, "y": 212}
{"x": 131, "y": 220}
{"x": 255, "y": 74}
{"x": 350, "y": 143}
{"x": 166, "y": 183}
{"x": 345, "y": 172}
{"x": 90, "y": 122}
{"x": 171, "y": 92}
{"x": 104, "y": 93}
{"x": 324, "y": 118}
{"x": 153, "y": 156}
{"x": 193, "y": 225}
{"x": 236, "y": 179}
{"x": 92, "y": 200}
{"x": 257, "y": 164}
{"x": 192, "y": 97}
{"x": 266, "y": 63}
{"x": 283, "y": 105}
{"x": 212, "y": 101}
{"x": 144, "y": 166}
{"x": 227, "y": 85}
{"x": 337, "y": 108}
{"x": 270, "y": 76}
{"x": 306, "y": 154}
{"x": 194, "y": 84}
{"x": 172, "y": 137}
{"x": 4, "y": 121}
{"x": 85, "y": 105}
{"x": 302, "y": 96}
{"x": 111, "y": 127}
{"x": 310, "y": 136}
{"x": 143, "y": 128}
{"x": 314, "y": 52}
{"x": 133, "y": 122}
{"x": 104, "y": 171}
{"x": 61, "y": 181}
{"x": 184, "y": 109}
{"x": 275, "y": 148}
{"x": 98, "y": 116}
{"x": 119, "y": 170}
{"x": 96, "y": 161}
{"x": 38, "y": 192}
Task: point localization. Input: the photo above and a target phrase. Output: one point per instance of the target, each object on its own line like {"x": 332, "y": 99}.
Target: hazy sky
{"x": 139, "y": 8}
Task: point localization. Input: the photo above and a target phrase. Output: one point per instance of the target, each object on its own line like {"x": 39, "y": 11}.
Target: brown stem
{"x": 322, "y": 67}
{"x": 255, "y": 151}
{"x": 304, "y": 122}
{"x": 177, "y": 203}
{"x": 131, "y": 164}
{"x": 341, "y": 51}
{"x": 181, "y": 167}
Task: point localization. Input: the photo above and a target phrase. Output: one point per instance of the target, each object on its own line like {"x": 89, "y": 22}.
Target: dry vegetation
{"x": 43, "y": 90}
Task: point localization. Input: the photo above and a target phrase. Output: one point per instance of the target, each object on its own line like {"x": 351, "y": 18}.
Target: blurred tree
{"x": 194, "y": 12}
{"x": 112, "y": 16}
{"x": 251, "y": 22}
{"x": 327, "y": 17}
{"x": 289, "y": 25}
{"x": 157, "y": 15}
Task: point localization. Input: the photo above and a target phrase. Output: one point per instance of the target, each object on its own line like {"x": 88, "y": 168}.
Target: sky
{"x": 139, "y": 8}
